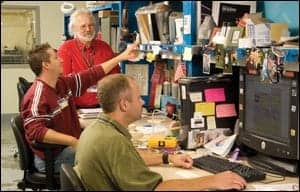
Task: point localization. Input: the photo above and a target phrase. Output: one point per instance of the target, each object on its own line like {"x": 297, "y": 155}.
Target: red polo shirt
{"x": 77, "y": 57}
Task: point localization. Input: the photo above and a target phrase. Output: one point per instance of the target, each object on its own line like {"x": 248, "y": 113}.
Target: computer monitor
{"x": 269, "y": 123}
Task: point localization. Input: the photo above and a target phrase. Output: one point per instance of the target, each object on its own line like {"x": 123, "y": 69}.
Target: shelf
{"x": 112, "y": 6}
{"x": 178, "y": 49}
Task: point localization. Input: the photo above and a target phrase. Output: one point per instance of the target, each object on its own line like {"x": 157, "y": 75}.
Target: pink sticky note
{"x": 214, "y": 95}
{"x": 225, "y": 110}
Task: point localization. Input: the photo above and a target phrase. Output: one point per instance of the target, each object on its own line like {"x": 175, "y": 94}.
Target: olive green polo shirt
{"x": 107, "y": 160}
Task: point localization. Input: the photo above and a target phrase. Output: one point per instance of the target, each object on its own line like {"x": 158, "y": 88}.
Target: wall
{"x": 281, "y": 11}
{"x": 51, "y": 30}
{"x": 9, "y": 79}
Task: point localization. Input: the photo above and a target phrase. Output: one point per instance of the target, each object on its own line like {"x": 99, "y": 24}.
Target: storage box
{"x": 107, "y": 13}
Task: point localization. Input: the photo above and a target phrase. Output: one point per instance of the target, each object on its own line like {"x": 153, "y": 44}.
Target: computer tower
{"x": 201, "y": 93}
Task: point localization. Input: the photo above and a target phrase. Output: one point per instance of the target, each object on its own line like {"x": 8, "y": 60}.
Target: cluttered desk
{"x": 151, "y": 132}
{"x": 270, "y": 183}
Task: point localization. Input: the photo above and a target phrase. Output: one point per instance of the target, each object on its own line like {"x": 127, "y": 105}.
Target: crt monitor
{"x": 269, "y": 123}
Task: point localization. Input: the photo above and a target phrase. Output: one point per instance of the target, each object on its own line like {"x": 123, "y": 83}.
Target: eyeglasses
{"x": 83, "y": 27}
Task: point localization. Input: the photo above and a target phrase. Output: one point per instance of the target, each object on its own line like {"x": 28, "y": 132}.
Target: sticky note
{"x": 211, "y": 122}
{"x": 196, "y": 96}
{"x": 206, "y": 108}
{"x": 214, "y": 95}
{"x": 225, "y": 110}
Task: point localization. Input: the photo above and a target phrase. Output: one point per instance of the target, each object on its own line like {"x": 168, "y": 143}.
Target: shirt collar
{"x": 123, "y": 130}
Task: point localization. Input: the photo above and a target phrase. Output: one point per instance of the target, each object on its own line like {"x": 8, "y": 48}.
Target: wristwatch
{"x": 165, "y": 158}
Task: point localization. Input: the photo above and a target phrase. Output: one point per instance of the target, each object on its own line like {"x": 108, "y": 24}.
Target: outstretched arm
{"x": 151, "y": 158}
{"x": 130, "y": 53}
{"x": 224, "y": 180}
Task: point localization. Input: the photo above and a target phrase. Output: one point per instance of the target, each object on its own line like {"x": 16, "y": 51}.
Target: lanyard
{"x": 89, "y": 62}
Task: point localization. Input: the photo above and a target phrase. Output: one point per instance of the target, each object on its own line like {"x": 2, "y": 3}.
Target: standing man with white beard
{"x": 84, "y": 51}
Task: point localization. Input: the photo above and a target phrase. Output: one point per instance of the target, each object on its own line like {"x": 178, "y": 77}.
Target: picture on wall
{"x": 228, "y": 12}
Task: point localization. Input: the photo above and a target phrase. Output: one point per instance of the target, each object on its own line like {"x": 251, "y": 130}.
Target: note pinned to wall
{"x": 225, "y": 110}
{"x": 196, "y": 96}
{"x": 211, "y": 122}
{"x": 206, "y": 108}
{"x": 214, "y": 95}
{"x": 140, "y": 73}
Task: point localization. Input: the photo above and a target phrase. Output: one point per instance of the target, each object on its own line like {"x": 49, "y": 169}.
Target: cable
{"x": 280, "y": 178}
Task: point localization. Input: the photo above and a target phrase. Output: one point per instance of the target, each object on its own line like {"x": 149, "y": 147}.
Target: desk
{"x": 170, "y": 172}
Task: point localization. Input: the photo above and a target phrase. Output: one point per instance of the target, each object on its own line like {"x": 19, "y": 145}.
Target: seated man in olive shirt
{"x": 107, "y": 160}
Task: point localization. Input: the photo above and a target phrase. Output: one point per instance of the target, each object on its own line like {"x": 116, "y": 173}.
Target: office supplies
{"x": 89, "y": 113}
{"x": 162, "y": 142}
{"x": 216, "y": 165}
{"x": 221, "y": 145}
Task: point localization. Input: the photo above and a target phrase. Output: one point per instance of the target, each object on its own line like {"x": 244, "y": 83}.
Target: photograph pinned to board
{"x": 206, "y": 64}
{"x": 220, "y": 56}
{"x": 199, "y": 137}
{"x": 234, "y": 34}
{"x": 227, "y": 63}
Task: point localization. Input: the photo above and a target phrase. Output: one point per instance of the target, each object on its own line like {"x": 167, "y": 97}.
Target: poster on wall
{"x": 228, "y": 12}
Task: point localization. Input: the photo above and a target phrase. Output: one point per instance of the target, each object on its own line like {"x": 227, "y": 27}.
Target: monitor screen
{"x": 269, "y": 122}
{"x": 269, "y": 106}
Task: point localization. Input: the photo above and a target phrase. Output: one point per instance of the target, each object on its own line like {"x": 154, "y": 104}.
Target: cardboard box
{"x": 107, "y": 13}
{"x": 278, "y": 30}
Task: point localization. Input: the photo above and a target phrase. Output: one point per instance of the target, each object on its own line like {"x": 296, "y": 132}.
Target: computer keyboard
{"x": 216, "y": 165}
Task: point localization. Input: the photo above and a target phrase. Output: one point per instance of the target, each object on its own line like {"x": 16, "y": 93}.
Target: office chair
{"x": 22, "y": 86}
{"x": 32, "y": 178}
{"x": 69, "y": 180}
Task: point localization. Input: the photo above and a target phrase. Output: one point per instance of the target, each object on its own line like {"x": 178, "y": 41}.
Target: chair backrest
{"x": 69, "y": 181}
{"x": 25, "y": 153}
{"x": 22, "y": 86}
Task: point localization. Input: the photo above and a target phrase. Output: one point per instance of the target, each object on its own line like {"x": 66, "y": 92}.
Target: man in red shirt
{"x": 84, "y": 51}
{"x": 48, "y": 108}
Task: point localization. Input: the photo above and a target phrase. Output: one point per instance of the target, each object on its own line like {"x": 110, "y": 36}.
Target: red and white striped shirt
{"x": 44, "y": 107}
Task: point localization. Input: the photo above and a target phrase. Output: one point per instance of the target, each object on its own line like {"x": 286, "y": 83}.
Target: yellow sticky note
{"x": 206, "y": 108}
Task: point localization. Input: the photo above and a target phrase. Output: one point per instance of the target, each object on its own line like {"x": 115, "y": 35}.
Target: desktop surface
{"x": 270, "y": 183}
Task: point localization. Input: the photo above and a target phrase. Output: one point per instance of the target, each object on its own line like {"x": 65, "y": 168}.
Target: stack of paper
{"x": 89, "y": 113}
{"x": 221, "y": 145}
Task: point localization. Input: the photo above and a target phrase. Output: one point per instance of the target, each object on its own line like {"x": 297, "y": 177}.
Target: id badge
{"x": 62, "y": 103}
{"x": 92, "y": 89}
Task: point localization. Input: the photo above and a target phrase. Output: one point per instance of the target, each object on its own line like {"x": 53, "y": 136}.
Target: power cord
{"x": 280, "y": 178}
